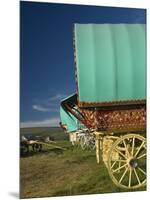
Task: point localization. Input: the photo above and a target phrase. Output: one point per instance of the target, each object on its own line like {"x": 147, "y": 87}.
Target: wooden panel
{"x": 133, "y": 118}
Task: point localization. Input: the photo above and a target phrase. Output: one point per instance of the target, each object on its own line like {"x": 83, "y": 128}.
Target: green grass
{"x": 74, "y": 171}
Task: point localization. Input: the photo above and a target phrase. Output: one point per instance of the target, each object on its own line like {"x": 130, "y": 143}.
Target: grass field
{"x": 56, "y": 132}
{"x": 55, "y": 172}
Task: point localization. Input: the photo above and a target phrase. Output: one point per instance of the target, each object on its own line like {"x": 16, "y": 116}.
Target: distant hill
{"x": 56, "y": 132}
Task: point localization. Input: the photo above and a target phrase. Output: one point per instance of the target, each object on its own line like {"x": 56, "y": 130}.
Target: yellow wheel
{"x": 127, "y": 161}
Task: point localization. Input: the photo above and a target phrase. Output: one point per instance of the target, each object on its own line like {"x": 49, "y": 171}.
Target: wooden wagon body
{"x": 110, "y": 66}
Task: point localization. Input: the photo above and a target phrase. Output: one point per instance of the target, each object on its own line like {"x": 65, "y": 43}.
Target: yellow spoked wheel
{"x": 127, "y": 161}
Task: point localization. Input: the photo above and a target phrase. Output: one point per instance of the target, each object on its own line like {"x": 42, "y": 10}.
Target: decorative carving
{"x": 116, "y": 119}
{"x": 111, "y": 103}
{"x": 76, "y": 77}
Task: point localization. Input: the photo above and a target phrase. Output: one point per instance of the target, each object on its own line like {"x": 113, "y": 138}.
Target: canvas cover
{"x": 110, "y": 62}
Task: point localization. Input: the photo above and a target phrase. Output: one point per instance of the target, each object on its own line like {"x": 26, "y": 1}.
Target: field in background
{"x": 54, "y": 172}
{"x": 56, "y": 132}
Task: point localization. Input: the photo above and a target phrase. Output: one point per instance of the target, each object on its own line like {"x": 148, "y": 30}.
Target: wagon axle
{"x": 133, "y": 162}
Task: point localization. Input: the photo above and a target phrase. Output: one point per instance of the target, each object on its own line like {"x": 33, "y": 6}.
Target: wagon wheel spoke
{"x": 119, "y": 152}
{"x": 120, "y": 168}
{"x": 142, "y": 145}
{"x": 143, "y": 155}
{"x": 141, "y": 170}
{"x": 137, "y": 176}
{"x": 113, "y": 164}
{"x": 120, "y": 160}
{"x": 130, "y": 177}
{"x": 126, "y": 148}
{"x": 133, "y": 143}
{"x": 123, "y": 175}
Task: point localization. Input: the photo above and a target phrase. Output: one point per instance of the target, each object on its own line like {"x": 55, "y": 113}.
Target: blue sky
{"x": 47, "y": 72}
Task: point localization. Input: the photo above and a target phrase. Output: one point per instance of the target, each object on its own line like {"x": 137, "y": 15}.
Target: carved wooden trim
{"x": 130, "y": 119}
{"x": 111, "y": 103}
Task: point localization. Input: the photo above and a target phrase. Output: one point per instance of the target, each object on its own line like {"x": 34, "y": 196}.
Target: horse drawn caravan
{"x": 111, "y": 97}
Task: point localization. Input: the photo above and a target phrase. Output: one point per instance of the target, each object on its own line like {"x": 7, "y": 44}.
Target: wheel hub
{"x": 133, "y": 162}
